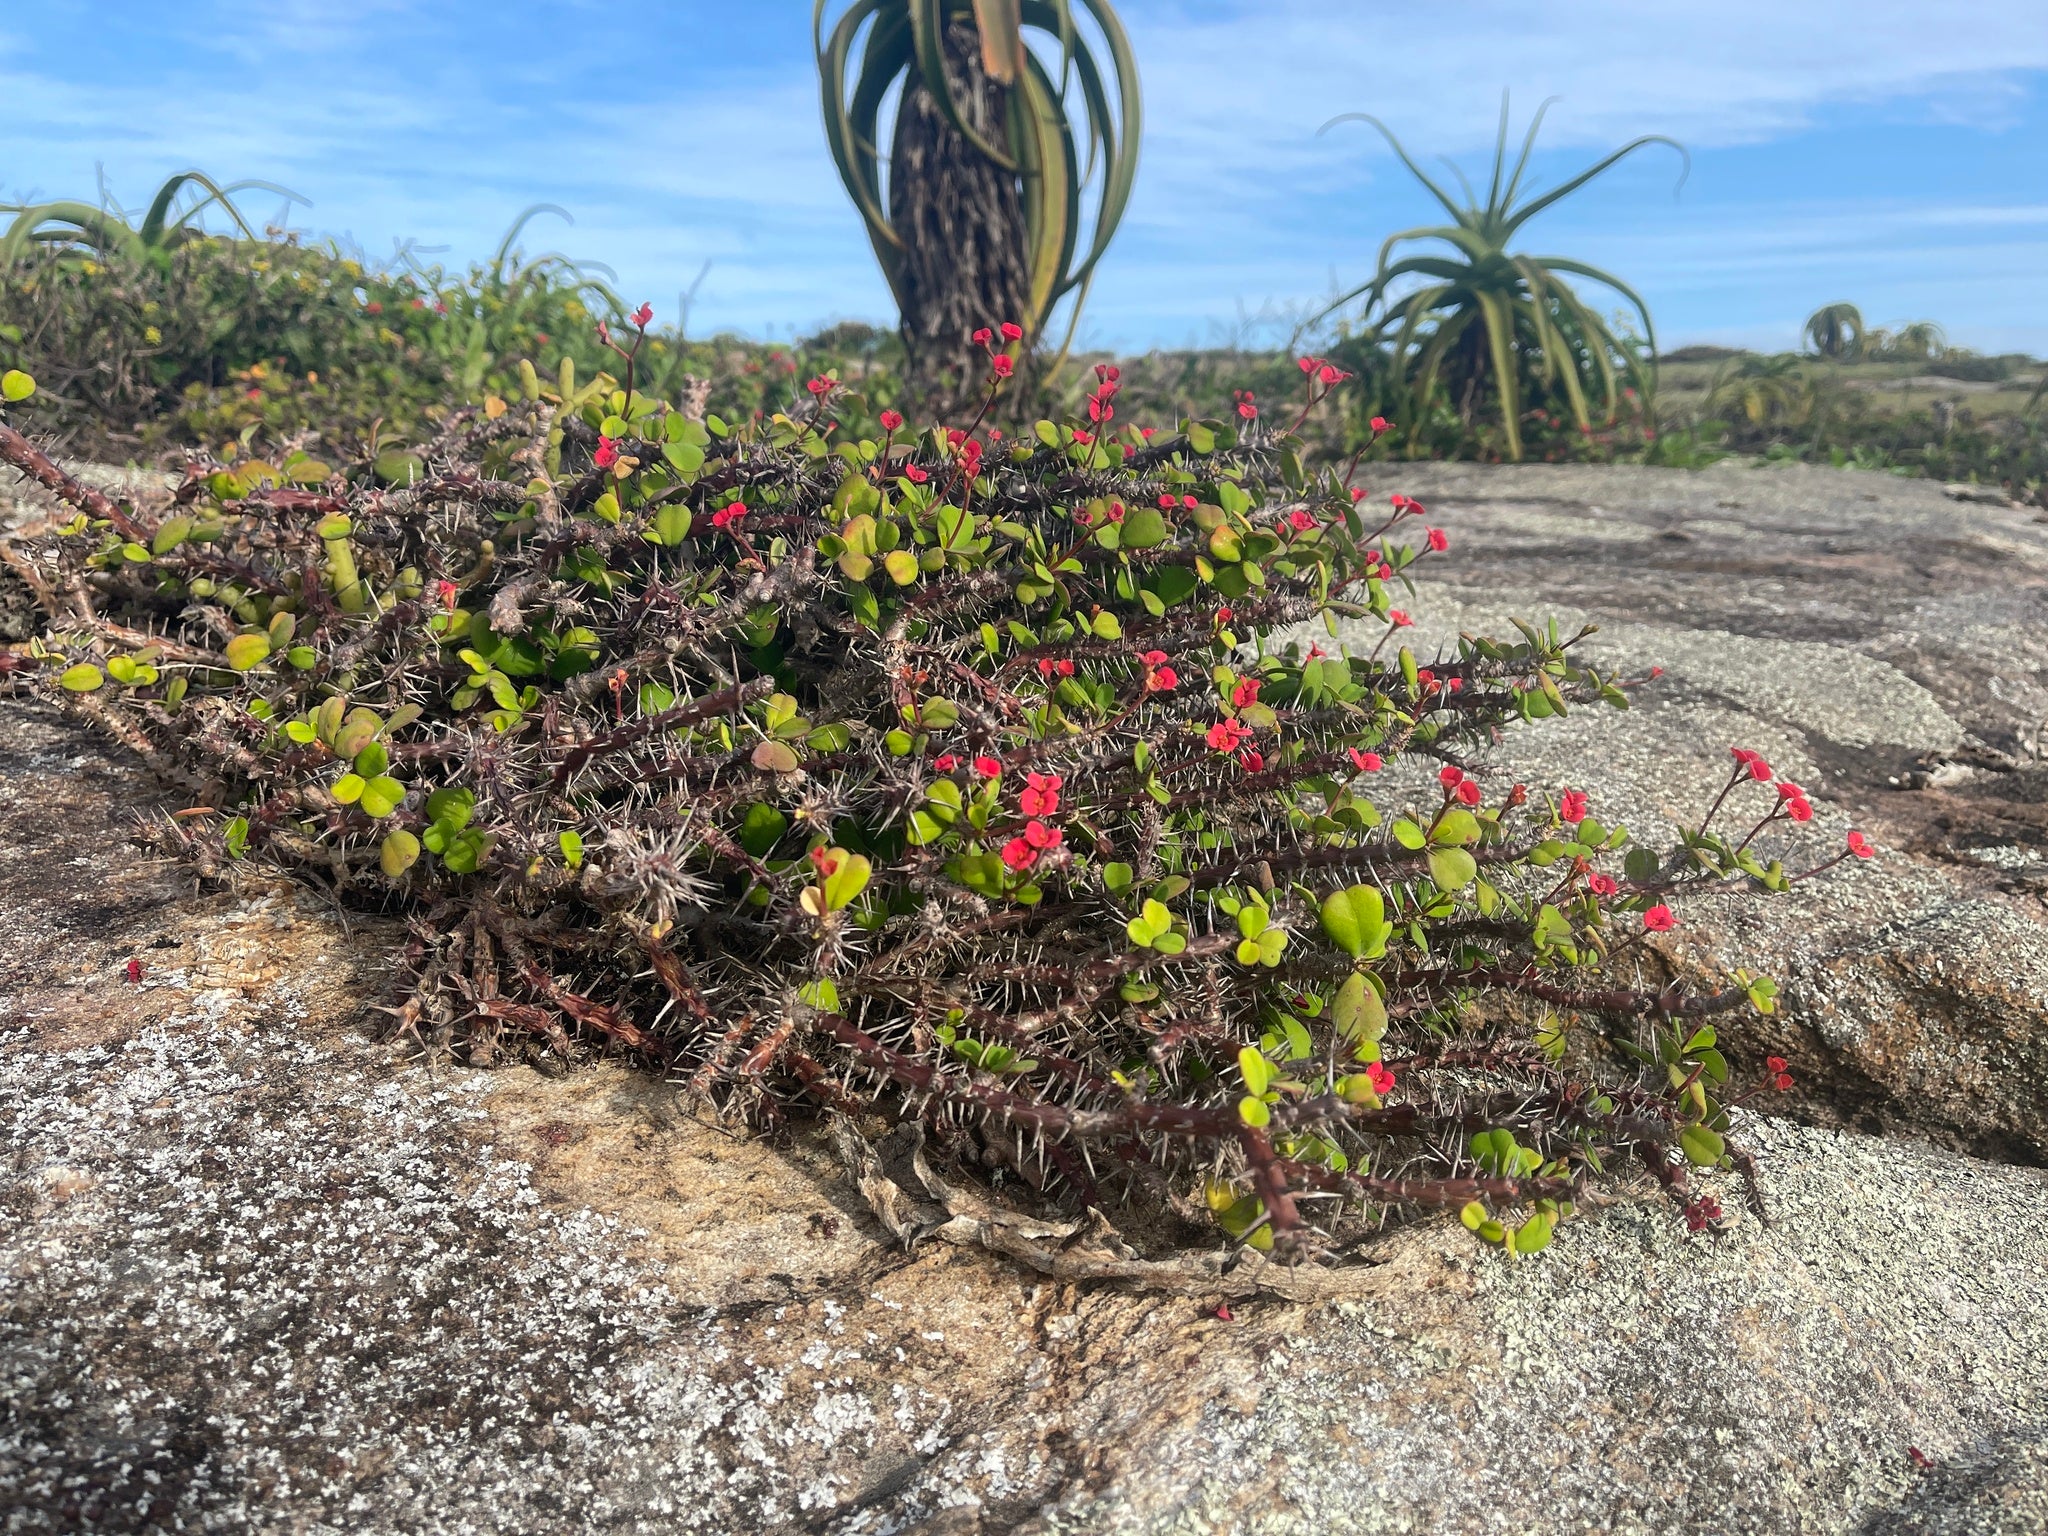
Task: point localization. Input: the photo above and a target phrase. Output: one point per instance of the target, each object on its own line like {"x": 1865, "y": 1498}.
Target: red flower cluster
{"x": 820, "y": 386}
{"x": 1701, "y": 1213}
{"x": 1325, "y": 372}
{"x": 1047, "y": 667}
{"x": 1792, "y": 801}
{"x": 1042, "y": 797}
{"x": 1246, "y": 404}
{"x": 1301, "y": 520}
{"x": 915, "y": 475}
{"x": 729, "y": 516}
{"x": 1366, "y": 762}
{"x": 946, "y": 763}
{"x": 1021, "y": 853}
{"x": 1780, "y": 1078}
{"x": 1245, "y": 691}
{"x": 1108, "y": 380}
{"x": 607, "y": 453}
{"x": 1159, "y": 677}
{"x": 1227, "y": 735}
{"x": 1571, "y": 807}
{"x": 826, "y": 864}
{"x": 1457, "y": 787}
{"x": 1406, "y": 505}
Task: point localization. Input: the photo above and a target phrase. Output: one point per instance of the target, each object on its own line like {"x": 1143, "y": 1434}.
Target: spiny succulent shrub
{"x": 937, "y": 776}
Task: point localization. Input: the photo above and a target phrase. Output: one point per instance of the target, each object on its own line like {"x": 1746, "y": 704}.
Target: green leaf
{"x": 16, "y": 386}
{"x": 1357, "y": 1012}
{"x": 247, "y": 651}
{"x": 400, "y": 851}
{"x": 381, "y": 795}
{"x": 1452, "y": 868}
{"x": 82, "y": 678}
{"x": 348, "y": 789}
{"x": 1702, "y": 1147}
{"x": 672, "y": 523}
{"x": 1117, "y": 877}
{"x": 1143, "y": 528}
{"x": 1254, "y": 1112}
{"x": 571, "y": 844}
{"x": 1355, "y": 920}
{"x": 848, "y": 880}
{"x": 1409, "y": 835}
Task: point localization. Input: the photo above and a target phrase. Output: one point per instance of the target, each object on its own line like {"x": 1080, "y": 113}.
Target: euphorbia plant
{"x": 987, "y": 782}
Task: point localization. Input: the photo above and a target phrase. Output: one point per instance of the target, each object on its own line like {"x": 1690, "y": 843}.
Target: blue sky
{"x": 1889, "y": 153}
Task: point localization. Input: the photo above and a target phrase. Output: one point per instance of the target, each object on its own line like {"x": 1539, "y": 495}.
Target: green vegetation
{"x": 989, "y": 785}
{"x": 1493, "y": 328}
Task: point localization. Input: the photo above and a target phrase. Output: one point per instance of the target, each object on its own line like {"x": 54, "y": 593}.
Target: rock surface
{"x": 256, "y": 1274}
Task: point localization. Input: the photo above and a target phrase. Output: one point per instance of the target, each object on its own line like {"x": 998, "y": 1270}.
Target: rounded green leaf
{"x": 381, "y": 795}
{"x": 1254, "y": 1111}
{"x": 82, "y": 678}
{"x": 1702, "y": 1146}
{"x": 348, "y": 789}
{"x": 1358, "y": 1012}
{"x": 247, "y": 651}
{"x": 16, "y": 386}
{"x": 1452, "y": 868}
{"x": 400, "y": 851}
{"x": 1355, "y": 920}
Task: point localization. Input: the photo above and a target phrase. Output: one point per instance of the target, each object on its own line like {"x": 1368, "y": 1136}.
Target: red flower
{"x": 1307, "y": 364}
{"x": 1043, "y": 796}
{"x": 1245, "y": 691}
{"x": 1225, "y": 735}
{"x": 946, "y": 764}
{"x": 1571, "y": 806}
{"x": 982, "y": 337}
{"x": 1116, "y": 511}
{"x": 729, "y": 516}
{"x": 988, "y": 767}
{"x": 1468, "y": 792}
{"x": 1395, "y": 616}
{"x": 642, "y": 315}
{"x": 1039, "y": 835}
{"x": 1381, "y": 1079}
{"x": 1331, "y": 374}
{"x": 1002, "y": 365}
{"x": 1753, "y": 762}
{"x": 1366, "y": 762}
{"x": 1166, "y": 502}
{"x": 824, "y": 863}
{"x": 1108, "y": 373}
{"x": 607, "y": 453}
{"x": 1782, "y": 1081}
{"x": 1701, "y": 1212}
{"x": 1245, "y": 406}
{"x": 915, "y": 475}
{"x": 1381, "y": 424}
{"x": 445, "y": 590}
{"x": 1602, "y": 885}
{"x": 1776, "y": 1063}
{"x": 1012, "y": 331}
{"x": 1450, "y": 776}
{"x": 820, "y": 387}
{"x": 1300, "y": 521}
{"x": 1860, "y": 845}
{"x": 1358, "y": 493}
{"x": 373, "y": 308}
{"x": 1225, "y": 614}
{"x": 1251, "y": 760}
{"x": 1519, "y": 795}
{"x": 1799, "y": 810}
{"x": 1018, "y": 854}
{"x": 1425, "y": 679}
{"x": 1159, "y": 677}
{"x": 1438, "y": 541}
{"x": 1399, "y": 502}
{"x": 891, "y": 420}
{"x": 1659, "y": 919}
{"x": 1084, "y": 438}
{"x": 134, "y": 972}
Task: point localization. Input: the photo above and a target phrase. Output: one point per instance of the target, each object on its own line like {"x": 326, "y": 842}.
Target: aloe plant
{"x": 1486, "y": 319}
{"x": 980, "y": 216}
{"x": 104, "y": 231}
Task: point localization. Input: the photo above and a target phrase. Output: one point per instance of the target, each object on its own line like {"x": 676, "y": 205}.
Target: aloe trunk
{"x": 966, "y": 255}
